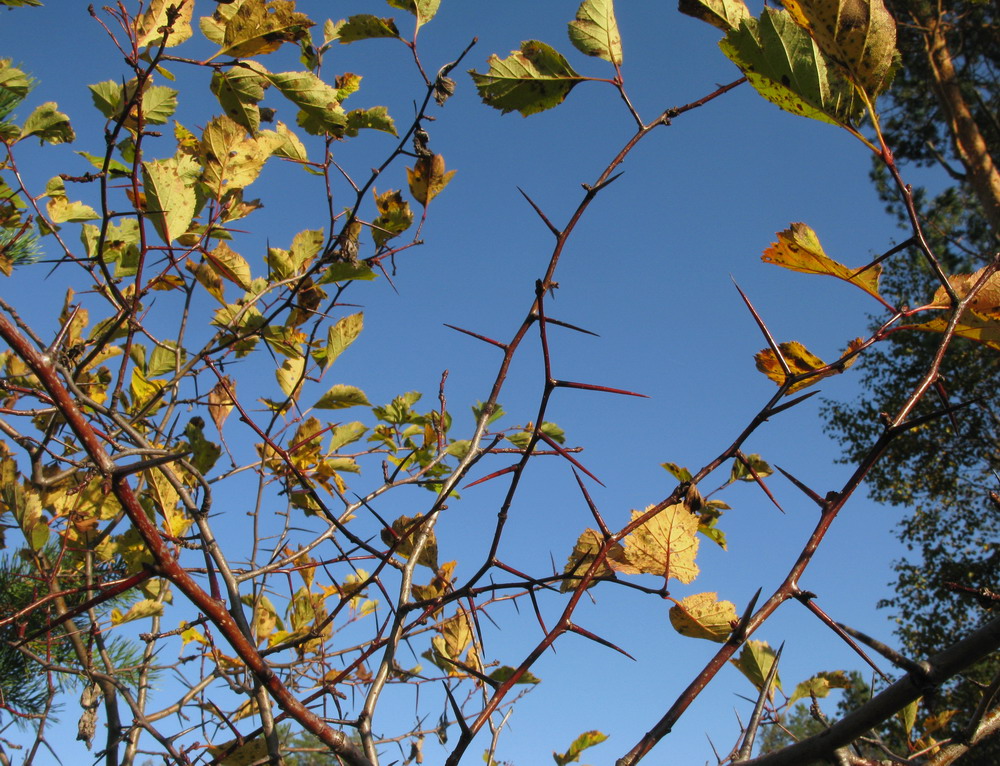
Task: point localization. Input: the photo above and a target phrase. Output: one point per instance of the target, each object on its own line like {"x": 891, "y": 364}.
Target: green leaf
{"x": 784, "y": 65}
{"x": 239, "y": 91}
{"x": 678, "y": 472}
{"x": 530, "y": 80}
{"x": 171, "y": 201}
{"x": 740, "y": 472}
{"x": 595, "y": 31}
{"x": 158, "y": 104}
{"x": 61, "y": 210}
{"x": 345, "y": 434}
{"x": 346, "y": 271}
{"x": 365, "y": 27}
{"x": 820, "y": 685}
{"x": 163, "y": 360}
{"x": 375, "y": 118}
{"x": 399, "y": 411}
{"x": 319, "y": 109}
{"x": 14, "y": 86}
{"x": 504, "y": 672}
{"x": 339, "y": 337}
{"x": 261, "y": 26}
{"x": 755, "y": 662}
{"x": 49, "y": 125}
{"x": 858, "y": 35}
{"x": 424, "y": 10}
{"x": 581, "y": 743}
{"x": 724, "y": 14}
{"x": 342, "y": 396}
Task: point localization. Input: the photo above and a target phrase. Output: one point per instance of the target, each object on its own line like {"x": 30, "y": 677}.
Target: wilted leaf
{"x": 798, "y": 249}
{"x": 404, "y": 533}
{"x": 664, "y": 545}
{"x": 595, "y": 31}
{"x": 583, "y": 555}
{"x": 219, "y": 402}
{"x": 702, "y": 615}
{"x": 530, "y": 80}
{"x": 428, "y": 178}
{"x": 394, "y": 217}
{"x": 581, "y": 743}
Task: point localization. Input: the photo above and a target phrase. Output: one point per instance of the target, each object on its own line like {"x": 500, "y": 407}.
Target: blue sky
{"x": 650, "y": 268}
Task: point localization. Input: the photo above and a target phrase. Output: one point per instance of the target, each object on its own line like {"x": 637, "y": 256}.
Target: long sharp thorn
{"x": 567, "y": 325}
{"x": 477, "y": 336}
{"x": 763, "y": 328}
{"x": 591, "y": 387}
{"x": 602, "y": 641}
{"x": 888, "y": 253}
{"x": 493, "y": 475}
{"x": 759, "y": 480}
{"x": 460, "y": 718}
{"x": 808, "y": 492}
{"x": 916, "y": 422}
{"x": 604, "y": 184}
{"x": 793, "y": 402}
{"x": 758, "y": 710}
{"x": 593, "y": 508}
{"x": 541, "y": 215}
{"x": 538, "y": 611}
{"x": 558, "y": 448}
{"x": 813, "y": 607}
{"x": 741, "y": 630}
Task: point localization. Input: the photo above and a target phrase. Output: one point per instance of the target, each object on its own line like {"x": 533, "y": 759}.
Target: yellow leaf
{"x": 229, "y": 265}
{"x": 148, "y": 25}
{"x": 755, "y": 662}
{"x": 290, "y": 376}
{"x": 583, "y": 556}
{"x": 403, "y": 534}
{"x": 987, "y": 299}
{"x": 800, "y": 361}
{"x": 798, "y": 249}
{"x": 664, "y": 545}
{"x": 428, "y": 178}
{"x": 702, "y": 615}
{"x": 145, "y": 608}
{"x": 253, "y": 751}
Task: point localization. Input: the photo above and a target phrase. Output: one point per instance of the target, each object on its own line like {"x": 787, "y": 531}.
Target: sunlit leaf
{"x": 820, "y": 685}
{"x": 595, "y": 31}
{"x": 239, "y": 91}
{"x": 427, "y": 178}
{"x": 724, "y": 14}
{"x": 49, "y": 125}
{"x": 581, "y": 743}
{"x": 341, "y": 396}
{"x": 375, "y": 118}
{"x": 364, "y": 26}
{"x": 530, "y": 80}
{"x": 583, "y": 555}
{"x": 139, "y": 610}
{"x": 798, "y": 249}
{"x": 678, "y": 472}
{"x": 986, "y": 301}
{"x": 229, "y": 265}
{"x": 800, "y": 361}
{"x": 171, "y": 201}
{"x": 403, "y": 535}
{"x": 339, "y": 337}
{"x": 505, "y": 672}
{"x": 702, "y": 615}
{"x": 261, "y": 26}
{"x": 971, "y": 325}
{"x": 424, "y": 10}
{"x": 859, "y": 35}
{"x": 786, "y": 67}
{"x": 740, "y": 472}
{"x": 319, "y": 109}
{"x": 230, "y": 158}
{"x": 157, "y": 14}
{"x": 290, "y": 376}
{"x": 394, "y": 217}
{"x": 664, "y": 545}
{"x": 755, "y": 661}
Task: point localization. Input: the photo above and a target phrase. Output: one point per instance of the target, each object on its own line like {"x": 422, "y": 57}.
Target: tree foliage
{"x": 195, "y": 371}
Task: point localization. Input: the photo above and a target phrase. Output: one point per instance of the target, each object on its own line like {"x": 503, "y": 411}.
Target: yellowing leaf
{"x": 252, "y": 751}
{"x": 319, "y": 108}
{"x": 365, "y": 26}
{"x": 755, "y": 662}
{"x": 239, "y": 91}
{"x": 290, "y": 376}
{"x": 231, "y": 159}
{"x": 148, "y": 27}
{"x": 858, "y": 35}
{"x": 402, "y": 536}
{"x": 595, "y": 31}
{"x": 338, "y": 338}
{"x": 394, "y": 217}
{"x": 986, "y": 301}
{"x": 530, "y": 80}
{"x": 798, "y": 249}
{"x": 48, "y": 124}
{"x": 724, "y": 14}
{"x": 341, "y": 396}
{"x": 145, "y": 608}
{"x": 819, "y": 685}
{"x": 581, "y": 743}
{"x": 261, "y": 26}
{"x": 583, "y": 555}
{"x": 170, "y": 196}
{"x": 800, "y": 361}
{"x": 207, "y": 277}
{"x": 664, "y": 545}
{"x": 229, "y": 265}
{"x": 702, "y": 615}
{"x": 787, "y": 68}
{"x": 972, "y": 326}
{"x": 219, "y": 402}
{"x": 428, "y": 178}
{"x": 424, "y": 10}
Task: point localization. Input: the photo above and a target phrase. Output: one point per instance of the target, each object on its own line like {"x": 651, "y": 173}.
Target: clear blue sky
{"x": 650, "y": 268}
